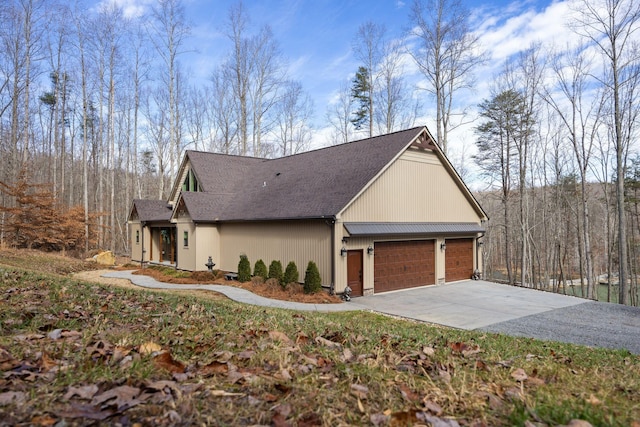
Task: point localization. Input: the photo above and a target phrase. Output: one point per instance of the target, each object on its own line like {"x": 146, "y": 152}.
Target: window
{"x": 137, "y": 237}
{"x": 186, "y": 238}
{"x": 190, "y": 182}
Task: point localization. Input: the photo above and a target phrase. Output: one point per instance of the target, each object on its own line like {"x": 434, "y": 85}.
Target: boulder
{"x": 105, "y": 258}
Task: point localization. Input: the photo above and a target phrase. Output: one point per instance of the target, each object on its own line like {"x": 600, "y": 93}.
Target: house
{"x": 378, "y": 214}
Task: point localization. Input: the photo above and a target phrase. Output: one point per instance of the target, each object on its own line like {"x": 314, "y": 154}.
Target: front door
{"x": 168, "y": 245}
{"x": 354, "y": 272}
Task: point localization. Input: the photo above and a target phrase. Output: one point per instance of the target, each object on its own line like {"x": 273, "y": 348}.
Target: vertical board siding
{"x": 298, "y": 241}
{"x": 416, "y": 188}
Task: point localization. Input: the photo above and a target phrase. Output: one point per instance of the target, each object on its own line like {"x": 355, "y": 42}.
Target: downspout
{"x": 143, "y": 225}
{"x": 332, "y": 224}
{"x": 477, "y": 273}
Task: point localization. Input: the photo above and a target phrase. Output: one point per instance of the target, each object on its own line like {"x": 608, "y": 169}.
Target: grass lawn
{"x": 88, "y": 354}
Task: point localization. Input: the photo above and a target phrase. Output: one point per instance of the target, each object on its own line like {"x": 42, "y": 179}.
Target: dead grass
{"x": 77, "y": 354}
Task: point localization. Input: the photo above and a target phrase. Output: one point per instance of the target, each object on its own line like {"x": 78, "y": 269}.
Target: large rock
{"x": 105, "y": 258}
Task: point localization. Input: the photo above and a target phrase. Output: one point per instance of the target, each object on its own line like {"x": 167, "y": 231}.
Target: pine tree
{"x": 361, "y": 93}
{"x": 275, "y": 272}
{"x": 312, "y": 282}
{"x": 244, "y": 269}
{"x": 260, "y": 269}
{"x": 291, "y": 273}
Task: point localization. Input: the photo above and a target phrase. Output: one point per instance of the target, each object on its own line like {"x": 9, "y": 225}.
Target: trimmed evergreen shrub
{"x": 275, "y": 272}
{"x": 291, "y": 273}
{"x": 260, "y": 269}
{"x": 312, "y": 281}
{"x": 244, "y": 269}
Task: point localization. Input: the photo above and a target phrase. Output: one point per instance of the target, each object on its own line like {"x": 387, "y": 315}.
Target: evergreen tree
{"x": 275, "y": 272}
{"x": 244, "y": 269}
{"x": 361, "y": 93}
{"x": 291, "y": 273}
{"x": 312, "y": 281}
{"x": 260, "y": 269}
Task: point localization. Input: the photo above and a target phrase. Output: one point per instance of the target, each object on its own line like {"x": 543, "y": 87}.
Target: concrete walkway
{"x": 232, "y": 292}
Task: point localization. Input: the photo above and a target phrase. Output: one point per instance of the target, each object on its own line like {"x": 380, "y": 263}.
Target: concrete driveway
{"x": 513, "y": 310}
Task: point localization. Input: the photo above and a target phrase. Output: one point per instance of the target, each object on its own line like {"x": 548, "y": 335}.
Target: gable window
{"x": 185, "y": 237}
{"x": 137, "y": 237}
{"x": 190, "y": 182}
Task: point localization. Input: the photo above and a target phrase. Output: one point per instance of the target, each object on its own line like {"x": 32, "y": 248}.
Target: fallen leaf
{"x": 280, "y": 336}
{"x": 360, "y": 406}
{"x": 359, "y": 390}
{"x": 429, "y": 351}
{"x": 43, "y": 420}
{"x": 84, "y": 392}
{"x": 594, "y": 400}
{"x": 578, "y": 423}
{"x": 222, "y": 393}
{"x": 148, "y": 348}
{"x": 47, "y": 363}
{"x": 214, "y": 367}
{"x": 247, "y": 354}
{"x": 432, "y": 407}
{"x": 327, "y": 343}
{"x": 9, "y": 397}
{"x": 165, "y": 361}
{"x": 86, "y": 411}
{"x": 56, "y": 334}
{"x": 379, "y": 419}
{"x": 347, "y": 355}
{"x": 519, "y": 375}
{"x": 408, "y": 394}
{"x": 302, "y": 338}
{"x": 124, "y": 397}
{"x": 28, "y": 337}
{"x": 434, "y": 421}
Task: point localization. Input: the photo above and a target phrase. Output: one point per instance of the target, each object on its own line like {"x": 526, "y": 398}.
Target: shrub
{"x": 244, "y": 269}
{"x": 312, "y": 282}
{"x": 275, "y": 272}
{"x": 291, "y": 273}
{"x": 260, "y": 269}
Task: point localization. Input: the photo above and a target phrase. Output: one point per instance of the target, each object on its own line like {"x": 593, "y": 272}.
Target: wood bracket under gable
{"x": 423, "y": 143}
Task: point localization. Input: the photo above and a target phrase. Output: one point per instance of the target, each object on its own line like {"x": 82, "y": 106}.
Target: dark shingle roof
{"x": 152, "y": 210}
{"x": 313, "y": 184}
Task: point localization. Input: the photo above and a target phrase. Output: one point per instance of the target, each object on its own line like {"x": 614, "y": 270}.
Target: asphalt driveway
{"x": 493, "y": 307}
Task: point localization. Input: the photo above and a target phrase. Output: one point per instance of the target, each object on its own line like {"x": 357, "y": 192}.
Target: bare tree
{"x": 610, "y": 25}
{"x": 169, "y": 33}
{"x": 582, "y": 118}
{"x": 368, "y": 47}
{"x": 396, "y": 108}
{"x": 224, "y": 111}
{"x": 339, "y": 115}
{"x": 294, "y": 111}
{"x": 446, "y": 55}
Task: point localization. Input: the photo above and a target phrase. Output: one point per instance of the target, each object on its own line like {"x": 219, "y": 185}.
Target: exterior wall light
{"x": 443, "y": 246}
{"x": 370, "y": 250}
{"x": 343, "y": 251}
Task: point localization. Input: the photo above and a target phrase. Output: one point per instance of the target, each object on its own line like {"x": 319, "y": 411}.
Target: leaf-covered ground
{"x": 83, "y": 354}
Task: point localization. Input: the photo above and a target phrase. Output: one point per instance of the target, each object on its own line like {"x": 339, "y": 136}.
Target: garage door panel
{"x": 459, "y": 259}
{"x": 400, "y": 265}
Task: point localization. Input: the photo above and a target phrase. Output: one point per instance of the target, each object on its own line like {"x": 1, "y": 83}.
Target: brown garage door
{"x": 458, "y": 259}
{"x": 400, "y": 265}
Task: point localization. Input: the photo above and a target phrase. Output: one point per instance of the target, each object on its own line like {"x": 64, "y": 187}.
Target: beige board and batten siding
{"x": 415, "y": 188}
{"x": 298, "y": 241}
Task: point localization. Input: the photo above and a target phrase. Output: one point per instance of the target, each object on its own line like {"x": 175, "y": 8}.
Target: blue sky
{"x": 316, "y": 38}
